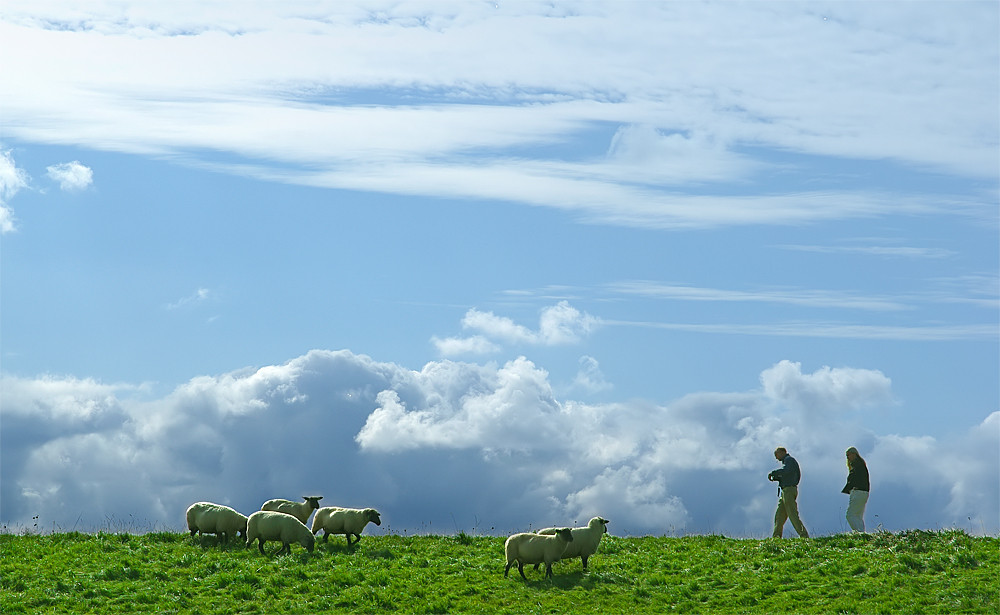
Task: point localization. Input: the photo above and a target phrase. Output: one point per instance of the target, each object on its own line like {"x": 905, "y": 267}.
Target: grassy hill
{"x": 909, "y": 572}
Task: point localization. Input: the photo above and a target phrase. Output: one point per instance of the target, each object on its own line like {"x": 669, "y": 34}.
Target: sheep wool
{"x": 299, "y": 510}
{"x": 266, "y": 525}
{"x": 209, "y": 518}
{"x": 585, "y": 539}
{"x": 529, "y": 548}
{"x": 347, "y": 521}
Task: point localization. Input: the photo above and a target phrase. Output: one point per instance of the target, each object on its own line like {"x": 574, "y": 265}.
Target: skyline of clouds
{"x": 364, "y": 432}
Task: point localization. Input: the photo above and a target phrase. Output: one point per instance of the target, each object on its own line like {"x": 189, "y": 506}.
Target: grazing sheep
{"x": 299, "y": 510}
{"x": 585, "y": 539}
{"x": 209, "y": 518}
{"x": 266, "y": 525}
{"x": 347, "y": 521}
{"x": 528, "y": 548}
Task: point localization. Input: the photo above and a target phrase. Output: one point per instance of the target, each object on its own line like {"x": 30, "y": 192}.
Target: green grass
{"x": 909, "y": 572}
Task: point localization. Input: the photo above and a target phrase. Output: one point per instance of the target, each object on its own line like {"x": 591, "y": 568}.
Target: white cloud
{"x": 12, "y": 180}
{"x": 564, "y": 324}
{"x": 459, "y": 118}
{"x": 826, "y": 390}
{"x": 497, "y": 327}
{"x": 457, "y": 346}
{"x": 72, "y": 176}
{"x": 557, "y": 325}
{"x": 459, "y": 441}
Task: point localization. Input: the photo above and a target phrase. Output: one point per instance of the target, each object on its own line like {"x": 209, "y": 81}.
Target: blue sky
{"x": 509, "y": 263}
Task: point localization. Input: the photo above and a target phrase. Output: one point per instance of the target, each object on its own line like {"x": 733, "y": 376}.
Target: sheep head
{"x": 313, "y": 500}
{"x": 599, "y": 521}
{"x": 372, "y": 515}
{"x": 565, "y": 533}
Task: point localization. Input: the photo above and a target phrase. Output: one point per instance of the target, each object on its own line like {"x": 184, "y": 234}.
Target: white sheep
{"x": 299, "y": 510}
{"x": 266, "y": 525}
{"x": 529, "y": 548}
{"x": 347, "y": 521}
{"x": 585, "y": 539}
{"x": 209, "y": 518}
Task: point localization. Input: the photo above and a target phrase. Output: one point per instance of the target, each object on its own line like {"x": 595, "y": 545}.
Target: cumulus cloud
{"x": 71, "y": 176}
{"x": 558, "y": 324}
{"x": 827, "y": 389}
{"x": 459, "y": 443}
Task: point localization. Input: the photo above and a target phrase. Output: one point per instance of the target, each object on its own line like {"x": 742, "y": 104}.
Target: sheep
{"x": 528, "y": 548}
{"x": 585, "y": 539}
{"x": 299, "y": 510}
{"x": 209, "y": 518}
{"x": 266, "y": 525}
{"x": 347, "y": 521}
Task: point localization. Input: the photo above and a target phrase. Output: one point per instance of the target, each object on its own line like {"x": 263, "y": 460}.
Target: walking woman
{"x": 857, "y": 488}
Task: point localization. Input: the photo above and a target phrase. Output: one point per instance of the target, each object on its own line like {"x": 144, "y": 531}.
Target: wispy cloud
{"x": 663, "y": 148}
{"x": 892, "y": 251}
{"x": 800, "y": 297}
{"x": 590, "y": 378}
{"x": 199, "y": 296}
{"x": 915, "y": 333}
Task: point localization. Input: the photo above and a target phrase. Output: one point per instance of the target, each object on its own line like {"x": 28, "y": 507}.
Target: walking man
{"x": 787, "y": 476}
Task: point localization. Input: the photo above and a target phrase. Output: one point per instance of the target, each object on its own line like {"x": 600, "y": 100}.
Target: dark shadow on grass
{"x": 567, "y": 580}
{"x": 210, "y": 541}
{"x": 335, "y": 547}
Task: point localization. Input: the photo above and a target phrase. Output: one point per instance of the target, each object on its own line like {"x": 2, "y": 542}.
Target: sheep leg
{"x": 506, "y": 568}
{"x": 260, "y": 545}
{"x": 584, "y": 558}
{"x": 520, "y": 568}
{"x": 548, "y": 570}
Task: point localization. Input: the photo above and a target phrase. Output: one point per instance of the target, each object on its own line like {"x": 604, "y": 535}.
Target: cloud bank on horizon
{"x": 489, "y": 448}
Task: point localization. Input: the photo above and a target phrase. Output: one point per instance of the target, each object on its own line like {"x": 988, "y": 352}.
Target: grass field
{"x": 909, "y": 572}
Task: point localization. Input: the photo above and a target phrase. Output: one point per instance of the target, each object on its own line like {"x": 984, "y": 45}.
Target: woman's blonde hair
{"x": 857, "y": 455}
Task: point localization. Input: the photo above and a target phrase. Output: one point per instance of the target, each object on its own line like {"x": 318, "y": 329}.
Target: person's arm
{"x": 850, "y": 482}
